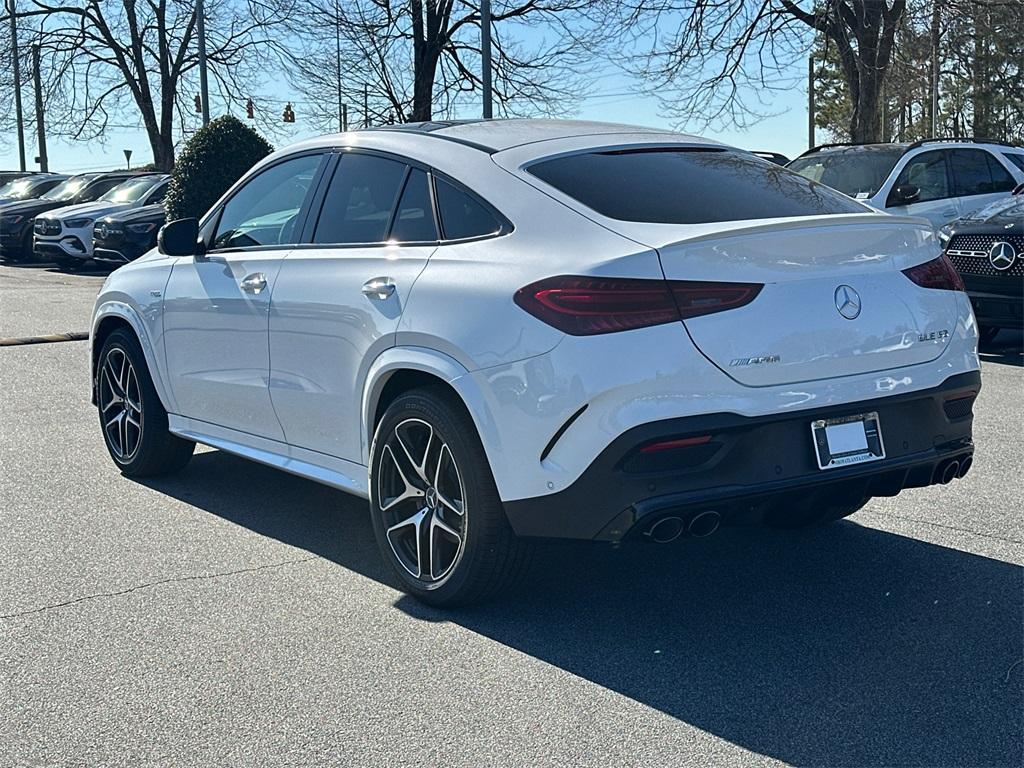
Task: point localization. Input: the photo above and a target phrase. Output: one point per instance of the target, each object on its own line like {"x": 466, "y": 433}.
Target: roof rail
{"x": 962, "y": 139}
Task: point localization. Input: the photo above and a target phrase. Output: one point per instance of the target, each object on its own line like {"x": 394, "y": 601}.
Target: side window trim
{"x": 208, "y": 232}
{"x": 397, "y": 203}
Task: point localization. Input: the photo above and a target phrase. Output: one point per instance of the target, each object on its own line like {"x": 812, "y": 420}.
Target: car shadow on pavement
{"x": 1008, "y": 349}
{"x": 843, "y": 645}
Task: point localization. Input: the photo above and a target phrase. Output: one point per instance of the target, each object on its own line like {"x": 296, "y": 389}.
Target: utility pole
{"x": 366, "y": 105}
{"x": 342, "y": 119}
{"x": 936, "y": 18}
{"x": 204, "y": 92}
{"x": 485, "y": 55}
{"x": 44, "y": 165}
{"x": 810, "y": 101}
{"x": 18, "y": 114}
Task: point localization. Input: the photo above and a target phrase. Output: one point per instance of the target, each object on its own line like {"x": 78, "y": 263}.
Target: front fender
{"x": 438, "y": 364}
{"x": 120, "y": 309}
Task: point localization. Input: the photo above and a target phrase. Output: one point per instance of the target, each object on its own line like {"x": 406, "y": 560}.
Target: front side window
{"x": 158, "y": 194}
{"x": 927, "y": 172}
{"x": 359, "y": 200}
{"x": 265, "y": 210}
{"x": 688, "y": 186}
{"x": 414, "y": 219}
{"x": 462, "y": 216}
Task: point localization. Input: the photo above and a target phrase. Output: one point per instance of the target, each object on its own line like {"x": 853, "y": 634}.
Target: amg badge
{"x": 764, "y": 359}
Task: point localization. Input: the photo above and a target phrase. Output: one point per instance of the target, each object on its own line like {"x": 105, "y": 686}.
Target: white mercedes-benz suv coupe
{"x": 497, "y": 330}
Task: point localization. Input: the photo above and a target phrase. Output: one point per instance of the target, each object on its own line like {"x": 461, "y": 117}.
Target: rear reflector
{"x": 669, "y": 445}
{"x": 584, "y": 306}
{"x": 937, "y": 273}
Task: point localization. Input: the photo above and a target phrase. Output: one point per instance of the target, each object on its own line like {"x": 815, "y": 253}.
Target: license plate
{"x": 847, "y": 440}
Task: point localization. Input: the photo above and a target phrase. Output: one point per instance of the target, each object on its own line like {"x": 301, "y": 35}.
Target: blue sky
{"x": 614, "y": 97}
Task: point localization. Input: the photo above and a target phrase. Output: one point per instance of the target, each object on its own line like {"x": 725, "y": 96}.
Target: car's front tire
{"x": 132, "y": 418}
{"x": 437, "y": 516}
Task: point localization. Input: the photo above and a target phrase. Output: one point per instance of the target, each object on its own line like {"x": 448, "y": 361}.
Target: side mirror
{"x": 907, "y": 193}
{"x": 179, "y": 238}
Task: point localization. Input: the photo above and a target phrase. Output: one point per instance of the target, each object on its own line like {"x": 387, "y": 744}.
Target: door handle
{"x": 254, "y": 283}
{"x": 378, "y": 288}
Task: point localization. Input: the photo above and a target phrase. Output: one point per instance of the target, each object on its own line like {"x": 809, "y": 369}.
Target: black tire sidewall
{"x": 484, "y": 513}
{"x": 154, "y": 417}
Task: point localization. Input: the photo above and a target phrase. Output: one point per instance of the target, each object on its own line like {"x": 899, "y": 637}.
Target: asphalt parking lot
{"x": 235, "y": 615}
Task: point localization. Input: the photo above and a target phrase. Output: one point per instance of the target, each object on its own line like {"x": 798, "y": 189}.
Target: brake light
{"x": 671, "y": 445}
{"x": 585, "y": 306}
{"x": 937, "y": 273}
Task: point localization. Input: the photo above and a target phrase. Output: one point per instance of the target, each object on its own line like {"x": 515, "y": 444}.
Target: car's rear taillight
{"x": 937, "y": 273}
{"x": 584, "y": 306}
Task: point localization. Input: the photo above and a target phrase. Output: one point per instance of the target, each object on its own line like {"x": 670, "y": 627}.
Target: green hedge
{"x": 211, "y": 161}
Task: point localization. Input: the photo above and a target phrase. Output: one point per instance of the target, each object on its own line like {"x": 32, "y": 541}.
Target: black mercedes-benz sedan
{"x": 124, "y": 236}
{"x": 987, "y": 248}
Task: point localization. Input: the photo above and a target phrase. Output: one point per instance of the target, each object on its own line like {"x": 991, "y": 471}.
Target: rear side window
{"x": 462, "y": 215}
{"x": 1016, "y": 159}
{"x": 976, "y": 172}
{"x": 359, "y": 200}
{"x": 680, "y": 186}
{"x": 414, "y": 219}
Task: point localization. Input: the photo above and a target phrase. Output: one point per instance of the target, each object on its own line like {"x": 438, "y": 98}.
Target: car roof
{"x": 494, "y": 136}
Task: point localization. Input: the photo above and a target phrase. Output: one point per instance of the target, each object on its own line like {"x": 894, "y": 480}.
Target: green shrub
{"x": 211, "y": 161}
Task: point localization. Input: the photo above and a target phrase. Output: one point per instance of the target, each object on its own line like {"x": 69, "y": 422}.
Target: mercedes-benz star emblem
{"x": 1002, "y": 255}
{"x": 847, "y": 302}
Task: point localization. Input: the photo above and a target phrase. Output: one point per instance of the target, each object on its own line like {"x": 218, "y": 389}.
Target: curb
{"x": 50, "y": 339}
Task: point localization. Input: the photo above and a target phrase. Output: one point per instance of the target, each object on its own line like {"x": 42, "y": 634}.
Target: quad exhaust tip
{"x": 965, "y": 466}
{"x": 699, "y": 526}
{"x": 948, "y": 471}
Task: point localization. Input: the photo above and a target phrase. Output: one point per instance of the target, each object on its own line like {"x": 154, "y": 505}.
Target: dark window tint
{"x": 462, "y": 215}
{"x": 927, "y": 172}
{"x": 976, "y": 172}
{"x": 158, "y": 194}
{"x": 264, "y": 211}
{"x": 97, "y": 190}
{"x": 688, "y": 187}
{"x": 359, "y": 200}
{"x": 1002, "y": 181}
{"x": 414, "y": 220}
{"x": 1016, "y": 159}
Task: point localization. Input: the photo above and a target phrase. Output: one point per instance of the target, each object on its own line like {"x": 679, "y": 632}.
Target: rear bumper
{"x": 752, "y": 466}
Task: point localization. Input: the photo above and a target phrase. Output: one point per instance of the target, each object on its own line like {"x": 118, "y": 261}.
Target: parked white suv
{"x": 506, "y": 329}
{"x": 64, "y": 235}
{"x": 937, "y": 179}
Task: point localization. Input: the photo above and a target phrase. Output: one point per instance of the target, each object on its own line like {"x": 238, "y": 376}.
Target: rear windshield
{"x": 688, "y": 186}
{"x": 858, "y": 172}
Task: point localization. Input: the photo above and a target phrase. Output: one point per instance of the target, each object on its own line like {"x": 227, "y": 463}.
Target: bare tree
{"x": 420, "y": 59}
{"x": 110, "y": 58}
{"x": 721, "y": 51}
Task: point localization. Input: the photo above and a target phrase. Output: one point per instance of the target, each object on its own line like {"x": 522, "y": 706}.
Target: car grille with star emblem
{"x": 47, "y": 227}
{"x": 969, "y": 254}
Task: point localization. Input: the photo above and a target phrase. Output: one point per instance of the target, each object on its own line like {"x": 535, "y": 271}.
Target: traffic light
{"x": 289, "y": 114}
{"x": 250, "y": 110}
{"x": 199, "y": 105}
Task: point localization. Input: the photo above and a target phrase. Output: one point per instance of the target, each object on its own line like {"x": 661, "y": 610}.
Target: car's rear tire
{"x": 132, "y": 418}
{"x": 437, "y": 516}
